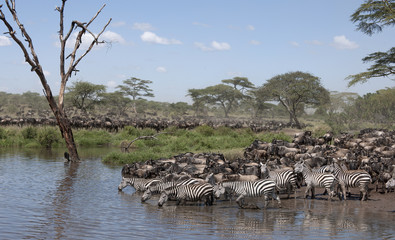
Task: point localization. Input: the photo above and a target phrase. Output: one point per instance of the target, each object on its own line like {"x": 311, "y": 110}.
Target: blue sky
{"x": 180, "y": 44}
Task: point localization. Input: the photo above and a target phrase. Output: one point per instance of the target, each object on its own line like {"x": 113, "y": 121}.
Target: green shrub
{"x": 3, "y": 133}
{"x": 47, "y": 136}
{"x": 205, "y": 130}
{"x": 29, "y": 132}
{"x": 92, "y": 138}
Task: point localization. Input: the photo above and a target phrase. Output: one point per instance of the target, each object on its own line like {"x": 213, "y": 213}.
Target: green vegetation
{"x": 173, "y": 141}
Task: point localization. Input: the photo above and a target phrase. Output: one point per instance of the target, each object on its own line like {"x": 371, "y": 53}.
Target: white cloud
{"x": 87, "y": 39}
{"x": 295, "y": 44}
{"x": 111, "y": 84}
{"x": 161, "y": 69}
{"x": 341, "y": 42}
{"x": 255, "y": 42}
{"x": 112, "y": 37}
{"x": 143, "y": 27}
{"x": 47, "y": 74}
{"x": 220, "y": 46}
{"x": 215, "y": 46}
{"x": 5, "y": 41}
{"x": 250, "y": 27}
{"x": 153, "y": 38}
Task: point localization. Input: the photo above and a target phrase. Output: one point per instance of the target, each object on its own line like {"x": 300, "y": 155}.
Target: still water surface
{"x": 42, "y": 198}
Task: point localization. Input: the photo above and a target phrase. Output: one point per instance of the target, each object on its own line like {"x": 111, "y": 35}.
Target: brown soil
{"x": 377, "y": 201}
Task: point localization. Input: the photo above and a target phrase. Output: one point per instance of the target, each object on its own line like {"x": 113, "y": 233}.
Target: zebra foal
{"x": 193, "y": 192}
{"x": 262, "y": 187}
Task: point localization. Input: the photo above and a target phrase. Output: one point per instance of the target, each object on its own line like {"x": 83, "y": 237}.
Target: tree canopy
{"x": 137, "y": 89}
{"x": 371, "y": 17}
{"x": 84, "y": 95}
{"x": 293, "y": 90}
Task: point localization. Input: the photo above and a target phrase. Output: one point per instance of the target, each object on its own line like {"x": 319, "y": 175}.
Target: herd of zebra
{"x": 335, "y": 178}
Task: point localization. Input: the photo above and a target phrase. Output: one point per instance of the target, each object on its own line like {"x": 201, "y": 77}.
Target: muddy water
{"x": 42, "y": 198}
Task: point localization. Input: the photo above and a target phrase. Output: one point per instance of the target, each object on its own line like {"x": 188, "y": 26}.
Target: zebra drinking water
{"x": 284, "y": 178}
{"x": 158, "y": 188}
{"x": 314, "y": 179}
{"x": 140, "y": 184}
{"x": 257, "y": 188}
{"x": 183, "y": 193}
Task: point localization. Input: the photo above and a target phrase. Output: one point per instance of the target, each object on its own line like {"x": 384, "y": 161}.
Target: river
{"x": 41, "y": 197}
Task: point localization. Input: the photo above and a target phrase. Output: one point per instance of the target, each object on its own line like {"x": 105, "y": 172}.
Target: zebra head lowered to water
{"x": 140, "y": 184}
{"x": 262, "y": 187}
{"x": 183, "y": 193}
{"x": 160, "y": 187}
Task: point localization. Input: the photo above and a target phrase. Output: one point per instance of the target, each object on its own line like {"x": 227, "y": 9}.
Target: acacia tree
{"x": 371, "y": 17}
{"x": 84, "y": 95}
{"x": 72, "y": 59}
{"x": 293, "y": 90}
{"x": 136, "y": 88}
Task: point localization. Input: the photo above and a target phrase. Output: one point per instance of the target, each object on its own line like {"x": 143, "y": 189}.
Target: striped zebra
{"x": 314, "y": 179}
{"x": 140, "y": 184}
{"x": 193, "y": 192}
{"x": 324, "y": 169}
{"x": 352, "y": 179}
{"x": 284, "y": 178}
{"x": 261, "y": 187}
{"x": 158, "y": 188}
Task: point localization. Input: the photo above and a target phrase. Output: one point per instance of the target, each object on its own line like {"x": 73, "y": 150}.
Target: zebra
{"x": 284, "y": 178}
{"x": 140, "y": 184}
{"x": 158, "y": 188}
{"x": 257, "y": 188}
{"x": 313, "y": 179}
{"x": 324, "y": 169}
{"x": 352, "y": 179}
{"x": 193, "y": 192}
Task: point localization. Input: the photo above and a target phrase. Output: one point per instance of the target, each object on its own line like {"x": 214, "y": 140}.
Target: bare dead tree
{"x": 65, "y": 73}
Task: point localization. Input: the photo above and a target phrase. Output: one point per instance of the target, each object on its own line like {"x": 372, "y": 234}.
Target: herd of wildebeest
{"x": 159, "y": 124}
{"x": 371, "y": 152}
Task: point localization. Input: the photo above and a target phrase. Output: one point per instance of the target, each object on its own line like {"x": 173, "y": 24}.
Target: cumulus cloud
{"x": 295, "y": 44}
{"x": 4, "y": 41}
{"x": 153, "y": 38}
{"x": 161, "y": 69}
{"x": 87, "y": 39}
{"x": 255, "y": 42}
{"x": 214, "y": 46}
{"x": 111, "y": 84}
{"x": 250, "y": 27}
{"x": 47, "y": 73}
{"x": 341, "y": 42}
{"x": 143, "y": 27}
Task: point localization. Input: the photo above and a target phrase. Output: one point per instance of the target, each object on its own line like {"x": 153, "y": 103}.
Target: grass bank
{"x": 171, "y": 142}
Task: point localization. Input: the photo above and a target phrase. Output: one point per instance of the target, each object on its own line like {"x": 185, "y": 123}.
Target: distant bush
{"x": 29, "y": 133}
{"x": 3, "y": 133}
{"x": 205, "y": 130}
{"x": 48, "y": 136}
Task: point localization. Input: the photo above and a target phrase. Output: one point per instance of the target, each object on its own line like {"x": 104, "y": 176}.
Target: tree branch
{"x": 143, "y": 137}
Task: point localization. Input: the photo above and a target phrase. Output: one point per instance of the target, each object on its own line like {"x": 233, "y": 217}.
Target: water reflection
{"x": 51, "y": 200}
